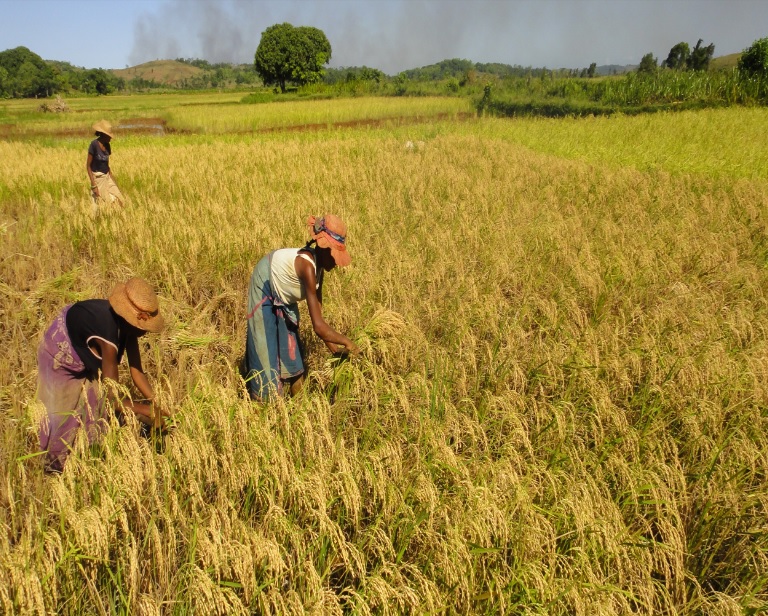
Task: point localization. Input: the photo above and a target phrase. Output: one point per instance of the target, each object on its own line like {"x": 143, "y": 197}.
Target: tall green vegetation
{"x": 754, "y": 60}
{"x": 648, "y": 64}
{"x": 753, "y": 67}
{"x": 639, "y": 92}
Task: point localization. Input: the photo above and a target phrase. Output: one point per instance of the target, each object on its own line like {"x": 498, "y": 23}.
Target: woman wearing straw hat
{"x": 88, "y": 339}
{"x": 103, "y": 187}
{"x": 279, "y": 281}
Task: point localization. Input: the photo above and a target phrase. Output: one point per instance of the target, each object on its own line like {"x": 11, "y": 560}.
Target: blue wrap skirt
{"x": 272, "y": 346}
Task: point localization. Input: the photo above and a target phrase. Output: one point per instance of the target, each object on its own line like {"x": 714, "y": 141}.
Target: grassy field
{"x": 562, "y": 403}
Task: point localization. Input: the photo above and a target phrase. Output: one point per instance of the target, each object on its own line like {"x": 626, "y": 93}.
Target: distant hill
{"x": 615, "y": 69}
{"x": 165, "y": 72}
{"x": 725, "y": 62}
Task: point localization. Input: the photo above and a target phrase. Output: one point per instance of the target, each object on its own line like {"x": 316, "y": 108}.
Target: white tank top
{"x": 283, "y": 277}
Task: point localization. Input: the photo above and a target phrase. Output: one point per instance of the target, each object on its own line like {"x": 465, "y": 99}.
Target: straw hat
{"x": 102, "y": 126}
{"x": 331, "y": 232}
{"x": 137, "y": 303}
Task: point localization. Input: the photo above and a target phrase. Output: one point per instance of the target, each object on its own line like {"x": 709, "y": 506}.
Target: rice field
{"x": 561, "y": 407}
{"x": 217, "y": 114}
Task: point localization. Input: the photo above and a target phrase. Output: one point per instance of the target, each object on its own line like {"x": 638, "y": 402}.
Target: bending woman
{"x": 103, "y": 187}
{"x": 86, "y": 341}
{"x": 279, "y": 282}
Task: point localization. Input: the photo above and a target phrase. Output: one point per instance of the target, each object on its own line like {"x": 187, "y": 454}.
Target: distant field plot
{"x": 715, "y": 142}
{"x": 317, "y": 114}
{"x": 21, "y": 117}
{"x": 561, "y": 406}
{"x": 218, "y": 114}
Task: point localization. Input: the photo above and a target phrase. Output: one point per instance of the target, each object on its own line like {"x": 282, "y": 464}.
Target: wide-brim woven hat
{"x": 329, "y": 231}
{"x": 137, "y": 303}
{"x": 102, "y": 126}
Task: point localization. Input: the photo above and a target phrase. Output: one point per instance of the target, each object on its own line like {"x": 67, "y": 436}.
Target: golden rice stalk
{"x": 147, "y": 605}
{"x": 205, "y": 596}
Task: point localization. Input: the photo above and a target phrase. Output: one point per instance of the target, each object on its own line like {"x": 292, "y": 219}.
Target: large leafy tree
{"x": 28, "y": 75}
{"x": 700, "y": 56}
{"x": 288, "y": 54}
{"x": 678, "y": 56}
{"x": 648, "y": 64}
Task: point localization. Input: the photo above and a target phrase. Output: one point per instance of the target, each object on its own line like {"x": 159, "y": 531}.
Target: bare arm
{"x": 333, "y": 339}
{"x": 91, "y": 177}
{"x": 137, "y": 372}
{"x": 331, "y": 347}
{"x": 144, "y": 412}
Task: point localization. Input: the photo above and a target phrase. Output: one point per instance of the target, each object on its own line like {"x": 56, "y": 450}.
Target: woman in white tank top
{"x": 278, "y": 283}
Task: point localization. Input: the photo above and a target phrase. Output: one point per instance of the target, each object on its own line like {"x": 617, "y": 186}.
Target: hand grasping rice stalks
{"x": 388, "y": 341}
{"x": 385, "y": 365}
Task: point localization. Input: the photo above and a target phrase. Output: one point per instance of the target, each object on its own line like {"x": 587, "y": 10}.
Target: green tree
{"x": 592, "y": 70}
{"x": 678, "y": 56}
{"x": 754, "y": 60}
{"x": 700, "y": 57}
{"x": 29, "y": 74}
{"x": 287, "y": 54}
{"x": 96, "y": 81}
{"x": 400, "y": 82}
{"x": 27, "y": 79}
{"x": 5, "y": 83}
{"x": 648, "y": 64}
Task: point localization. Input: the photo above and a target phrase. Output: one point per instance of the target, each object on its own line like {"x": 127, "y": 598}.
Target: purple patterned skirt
{"x": 72, "y": 401}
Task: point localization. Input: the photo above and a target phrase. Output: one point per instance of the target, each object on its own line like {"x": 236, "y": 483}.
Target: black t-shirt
{"x": 100, "y": 161}
{"x": 94, "y": 318}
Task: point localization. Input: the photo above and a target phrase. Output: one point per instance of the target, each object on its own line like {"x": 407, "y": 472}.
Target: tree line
{"x": 292, "y": 57}
{"x": 681, "y": 57}
{"x": 24, "y": 74}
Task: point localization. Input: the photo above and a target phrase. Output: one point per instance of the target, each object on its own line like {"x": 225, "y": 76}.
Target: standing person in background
{"x": 103, "y": 186}
{"x": 279, "y": 282}
{"x": 84, "y": 344}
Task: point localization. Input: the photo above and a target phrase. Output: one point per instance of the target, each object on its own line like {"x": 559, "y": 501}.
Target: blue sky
{"x": 392, "y": 35}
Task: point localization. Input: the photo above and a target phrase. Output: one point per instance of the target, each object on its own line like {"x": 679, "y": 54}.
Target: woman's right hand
{"x": 160, "y": 416}
{"x": 149, "y": 413}
{"x": 347, "y": 347}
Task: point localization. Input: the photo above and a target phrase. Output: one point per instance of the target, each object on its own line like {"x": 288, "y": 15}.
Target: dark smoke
{"x": 395, "y": 35}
